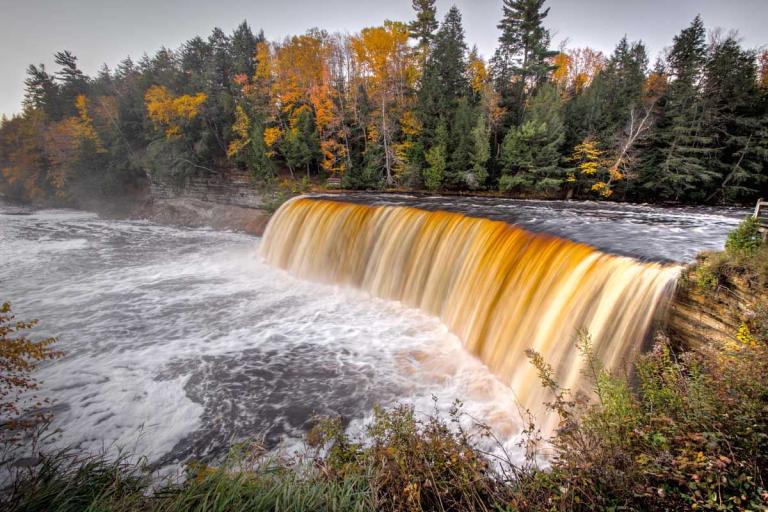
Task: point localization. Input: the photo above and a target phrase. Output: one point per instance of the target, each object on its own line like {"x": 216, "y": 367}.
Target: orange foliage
{"x": 63, "y": 144}
{"x": 384, "y": 57}
{"x": 575, "y": 69}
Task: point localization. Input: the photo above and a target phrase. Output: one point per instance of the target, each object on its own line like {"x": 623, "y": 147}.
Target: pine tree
{"x": 41, "y": 91}
{"x": 480, "y": 154}
{"x": 461, "y": 146}
{"x": 243, "y": 44}
{"x": 677, "y": 165}
{"x": 301, "y": 145}
{"x": 444, "y": 86}
{"x": 423, "y": 27}
{"x": 445, "y": 74}
{"x": 530, "y": 153}
{"x": 735, "y": 119}
{"x": 437, "y": 159}
{"x": 71, "y": 80}
{"x": 520, "y": 63}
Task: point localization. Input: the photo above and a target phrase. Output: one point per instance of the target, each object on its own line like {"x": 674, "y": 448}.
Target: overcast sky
{"x": 100, "y": 31}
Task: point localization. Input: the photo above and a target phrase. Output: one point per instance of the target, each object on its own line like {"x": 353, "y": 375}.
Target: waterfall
{"x": 500, "y": 289}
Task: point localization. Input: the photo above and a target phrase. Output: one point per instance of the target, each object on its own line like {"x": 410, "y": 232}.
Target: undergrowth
{"x": 745, "y": 258}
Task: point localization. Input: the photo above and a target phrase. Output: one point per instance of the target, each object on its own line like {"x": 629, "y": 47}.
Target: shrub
{"x": 746, "y": 239}
{"x": 411, "y": 463}
{"x": 20, "y": 412}
{"x": 689, "y": 438}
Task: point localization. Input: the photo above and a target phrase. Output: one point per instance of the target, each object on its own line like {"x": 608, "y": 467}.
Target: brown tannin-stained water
{"x": 501, "y": 289}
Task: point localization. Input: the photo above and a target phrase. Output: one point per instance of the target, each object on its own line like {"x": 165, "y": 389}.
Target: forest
{"x": 404, "y": 106}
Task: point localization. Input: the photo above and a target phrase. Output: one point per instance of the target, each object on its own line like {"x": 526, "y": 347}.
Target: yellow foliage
{"x": 85, "y": 126}
{"x": 410, "y": 124}
{"x": 588, "y": 156}
{"x": 745, "y": 337}
{"x": 602, "y": 188}
{"x": 562, "y": 64}
{"x": 334, "y": 156}
{"x": 264, "y": 61}
{"x": 384, "y": 55}
{"x": 478, "y": 73}
{"x": 272, "y": 136}
{"x": 242, "y": 131}
{"x": 373, "y": 133}
{"x": 320, "y": 97}
{"x": 169, "y": 112}
{"x": 616, "y": 174}
{"x": 655, "y": 85}
{"x": 574, "y": 70}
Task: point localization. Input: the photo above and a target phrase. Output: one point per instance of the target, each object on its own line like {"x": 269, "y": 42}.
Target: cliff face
{"x": 226, "y": 200}
{"x": 698, "y": 315}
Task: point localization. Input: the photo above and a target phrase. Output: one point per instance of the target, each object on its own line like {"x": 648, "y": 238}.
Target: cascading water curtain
{"x": 499, "y": 288}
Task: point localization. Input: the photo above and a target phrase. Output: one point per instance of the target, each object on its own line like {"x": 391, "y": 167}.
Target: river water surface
{"x": 180, "y": 341}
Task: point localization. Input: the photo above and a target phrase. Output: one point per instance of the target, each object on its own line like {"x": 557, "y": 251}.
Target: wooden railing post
{"x": 759, "y": 209}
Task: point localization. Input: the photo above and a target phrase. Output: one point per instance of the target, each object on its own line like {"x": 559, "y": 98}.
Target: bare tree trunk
{"x": 385, "y": 136}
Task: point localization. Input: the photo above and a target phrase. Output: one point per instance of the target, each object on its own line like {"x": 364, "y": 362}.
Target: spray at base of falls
{"x": 502, "y": 290}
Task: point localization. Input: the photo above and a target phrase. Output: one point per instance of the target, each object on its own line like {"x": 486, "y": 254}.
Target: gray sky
{"x": 100, "y": 31}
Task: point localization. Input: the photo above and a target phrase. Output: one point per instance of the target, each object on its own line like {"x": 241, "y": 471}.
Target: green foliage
{"x": 480, "y": 154}
{"x": 413, "y": 464}
{"x": 437, "y": 159}
{"x": 704, "y": 277}
{"x": 746, "y": 239}
{"x": 521, "y": 61}
{"x": 301, "y": 145}
{"x": 530, "y": 154}
{"x": 688, "y": 439}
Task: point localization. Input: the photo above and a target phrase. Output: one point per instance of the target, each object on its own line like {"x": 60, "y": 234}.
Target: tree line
{"x": 406, "y": 106}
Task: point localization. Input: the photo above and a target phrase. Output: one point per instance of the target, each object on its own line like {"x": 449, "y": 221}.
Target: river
{"x": 179, "y": 341}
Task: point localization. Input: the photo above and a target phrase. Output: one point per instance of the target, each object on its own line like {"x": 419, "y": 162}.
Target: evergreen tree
{"x": 520, "y": 63}
{"x": 461, "y": 146}
{"x": 301, "y": 145}
{"x": 437, "y": 159}
{"x": 423, "y": 27}
{"x": 445, "y": 75}
{"x": 243, "y": 44}
{"x": 260, "y": 164}
{"x": 676, "y": 166}
{"x": 71, "y": 80}
{"x": 480, "y": 154}
{"x": 530, "y": 153}
{"x": 41, "y": 91}
{"x": 443, "y": 87}
{"x": 735, "y": 119}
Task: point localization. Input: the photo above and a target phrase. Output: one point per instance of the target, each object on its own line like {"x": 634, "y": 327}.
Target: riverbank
{"x": 189, "y": 212}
